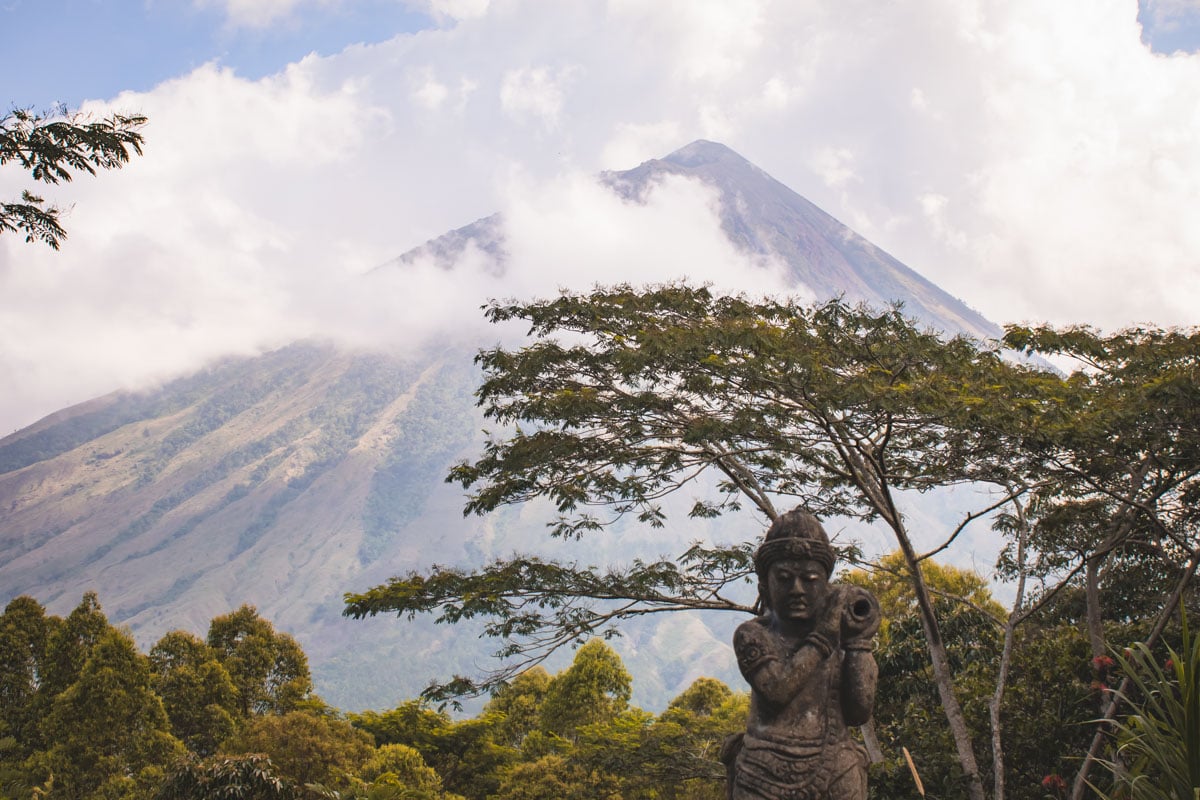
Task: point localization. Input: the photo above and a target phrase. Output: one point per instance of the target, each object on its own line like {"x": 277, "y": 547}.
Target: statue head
{"x": 793, "y": 564}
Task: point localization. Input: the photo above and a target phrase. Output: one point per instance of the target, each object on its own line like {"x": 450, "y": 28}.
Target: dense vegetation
{"x": 1089, "y": 479}
{"x": 625, "y": 397}
{"x": 234, "y": 715}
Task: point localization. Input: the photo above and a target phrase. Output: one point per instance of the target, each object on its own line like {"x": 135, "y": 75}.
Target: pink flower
{"x": 1054, "y": 783}
{"x": 1101, "y": 663}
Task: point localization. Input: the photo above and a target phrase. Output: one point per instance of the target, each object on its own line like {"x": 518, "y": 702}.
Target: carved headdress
{"x": 796, "y": 535}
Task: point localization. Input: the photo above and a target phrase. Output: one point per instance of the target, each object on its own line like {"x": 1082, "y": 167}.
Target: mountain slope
{"x": 206, "y": 472}
{"x": 289, "y": 479}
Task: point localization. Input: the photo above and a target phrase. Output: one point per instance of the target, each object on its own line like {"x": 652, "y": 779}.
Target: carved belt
{"x": 793, "y": 771}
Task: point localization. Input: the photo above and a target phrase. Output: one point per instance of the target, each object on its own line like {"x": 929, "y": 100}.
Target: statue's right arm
{"x": 774, "y": 675}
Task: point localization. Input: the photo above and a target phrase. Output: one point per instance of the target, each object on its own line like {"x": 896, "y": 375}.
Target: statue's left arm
{"x": 860, "y": 673}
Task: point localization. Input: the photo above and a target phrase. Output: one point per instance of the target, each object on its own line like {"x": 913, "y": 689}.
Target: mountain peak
{"x": 765, "y": 218}
{"x": 701, "y": 152}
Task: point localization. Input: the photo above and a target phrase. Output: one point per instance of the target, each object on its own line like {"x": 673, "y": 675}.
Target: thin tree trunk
{"x": 940, "y": 662}
{"x": 1095, "y": 622}
{"x": 867, "y": 470}
{"x": 1010, "y": 625}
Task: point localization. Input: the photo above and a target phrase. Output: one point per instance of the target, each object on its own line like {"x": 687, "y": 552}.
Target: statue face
{"x": 798, "y": 590}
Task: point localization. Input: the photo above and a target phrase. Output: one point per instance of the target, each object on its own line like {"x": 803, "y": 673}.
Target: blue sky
{"x": 68, "y": 51}
{"x": 1033, "y": 157}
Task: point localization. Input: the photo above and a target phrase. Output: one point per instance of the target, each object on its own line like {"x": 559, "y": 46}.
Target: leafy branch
{"x": 537, "y": 606}
{"x": 52, "y": 148}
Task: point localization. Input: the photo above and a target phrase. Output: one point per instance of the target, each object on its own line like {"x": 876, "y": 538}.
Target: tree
{"x": 70, "y": 644}
{"x": 398, "y": 772}
{"x": 626, "y": 396}
{"x": 518, "y": 705}
{"x": 553, "y": 777}
{"x": 594, "y": 689}
{"x": 108, "y": 731}
{"x": 196, "y": 690}
{"x": 906, "y": 711}
{"x": 24, "y": 630}
{"x": 1160, "y": 737}
{"x": 269, "y": 669}
{"x": 306, "y": 748}
{"x": 248, "y": 777}
{"x": 674, "y": 756}
{"x": 1124, "y": 469}
{"x": 411, "y": 723}
{"x": 53, "y": 148}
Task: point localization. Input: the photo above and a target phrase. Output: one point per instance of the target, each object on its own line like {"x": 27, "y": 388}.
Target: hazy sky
{"x": 1039, "y": 159}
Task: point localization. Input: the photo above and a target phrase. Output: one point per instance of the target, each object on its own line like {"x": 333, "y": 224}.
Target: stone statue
{"x": 811, "y": 673}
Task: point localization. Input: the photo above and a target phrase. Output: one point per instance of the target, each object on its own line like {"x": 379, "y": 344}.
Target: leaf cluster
{"x": 1159, "y": 741}
{"x": 627, "y": 395}
{"x": 52, "y": 148}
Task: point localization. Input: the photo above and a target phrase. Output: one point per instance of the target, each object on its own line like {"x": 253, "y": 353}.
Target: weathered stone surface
{"x": 811, "y": 672}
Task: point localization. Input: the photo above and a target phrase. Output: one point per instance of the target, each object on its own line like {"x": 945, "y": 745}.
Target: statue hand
{"x": 860, "y": 614}
{"x": 829, "y": 625}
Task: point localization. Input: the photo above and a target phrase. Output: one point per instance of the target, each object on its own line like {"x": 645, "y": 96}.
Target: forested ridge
{"x": 235, "y": 715}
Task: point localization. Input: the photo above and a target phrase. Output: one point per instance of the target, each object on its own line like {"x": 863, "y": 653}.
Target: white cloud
{"x": 450, "y": 11}
{"x": 835, "y": 166}
{"x": 428, "y": 91}
{"x": 1034, "y": 158}
{"x": 707, "y": 40}
{"x": 633, "y": 143}
{"x": 537, "y": 92}
{"x": 572, "y": 233}
{"x": 260, "y": 13}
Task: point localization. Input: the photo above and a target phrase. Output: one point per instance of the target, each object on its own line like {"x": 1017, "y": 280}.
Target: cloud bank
{"x": 1035, "y": 159}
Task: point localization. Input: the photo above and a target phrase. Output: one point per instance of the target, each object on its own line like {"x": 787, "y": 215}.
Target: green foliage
{"x": 573, "y": 734}
{"x": 68, "y": 647}
{"x": 466, "y": 755}
{"x": 1159, "y": 740}
{"x": 1051, "y": 696}
{"x": 908, "y": 707}
{"x": 399, "y": 771}
{"x": 246, "y": 777}
{"x": 1120, "y": 473}
{"x": 107, "y": 732}
{"x": 24, "y": 632}
{"x": 553, "y": 777}
{"x": 53, "y": 148}
{"x": 626, "y": 395}
{"x": 673, "y": 757}
{"x": 659, "y": 384}
{"x": 196, "y": 689}
{"x": 306, "y": 748}
{"x": 556, "y": 604}
{"x": 516, "y": 704}
{"x": 411, "y": 723}
{"x": 268, "y": 669}
{"x": 594, "y": 689}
